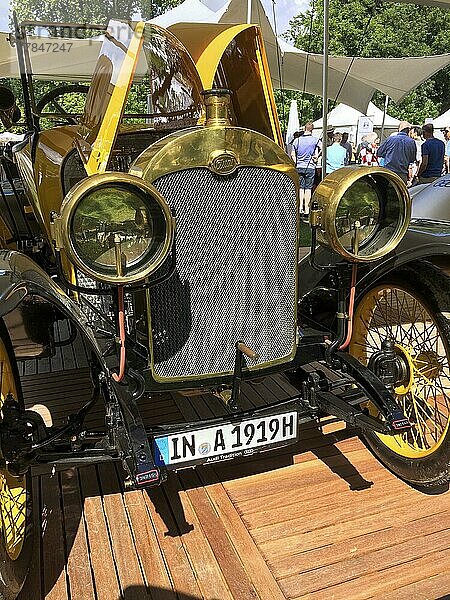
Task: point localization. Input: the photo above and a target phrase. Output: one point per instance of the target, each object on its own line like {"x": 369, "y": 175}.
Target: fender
{"x": 20, "y": 276}
{"x": 425, "y": 240}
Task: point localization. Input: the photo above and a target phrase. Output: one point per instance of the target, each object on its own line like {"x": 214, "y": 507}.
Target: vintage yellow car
{"x": 169, "y": 239}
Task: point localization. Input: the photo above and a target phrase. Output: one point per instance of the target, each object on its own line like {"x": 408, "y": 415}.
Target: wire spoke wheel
{"x": 15, "y": 494}
{"x": 398, "y": 312}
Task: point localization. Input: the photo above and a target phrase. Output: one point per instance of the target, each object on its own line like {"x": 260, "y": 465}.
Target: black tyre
{"x": 412, "y": 308}
{"x": 16, "y": 542}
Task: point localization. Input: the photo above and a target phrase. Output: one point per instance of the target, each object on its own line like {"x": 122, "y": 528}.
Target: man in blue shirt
{"x": 304, "y": 154}
{"x": 399, "y": 151}
{"x": 432, "y": 156}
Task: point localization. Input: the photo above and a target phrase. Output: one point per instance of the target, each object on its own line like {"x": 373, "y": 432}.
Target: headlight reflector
{"x": 364, "y": 212}
{"x": 116, "y": 227}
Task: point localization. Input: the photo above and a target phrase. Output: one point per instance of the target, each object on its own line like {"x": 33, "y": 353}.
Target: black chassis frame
{"x": 325, "y": 383}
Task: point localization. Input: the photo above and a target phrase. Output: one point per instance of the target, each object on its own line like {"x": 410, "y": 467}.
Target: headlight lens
{"x": 364, "y": 212}
{"x": 117, "y": 228}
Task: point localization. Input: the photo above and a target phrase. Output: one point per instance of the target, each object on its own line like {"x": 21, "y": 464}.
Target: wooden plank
{"x": 298, "y": 496}
{"x": 360, "y": 566}
{"x": 255, "y": 393}
{"x": 380, "y": 582}
{"x": 274, "y": 391}
{"x": 101, "y": 556}
{"x": 344, "y": 510}
{"x": 38, "y": 378}
{"x": 66, "y": 354}
{"x": 53, "y": 555}
{"x": 355, "y": 546}
{"x": 437, "y": 586}
{"x": 240, "y": 585}
{"x": 267, "y": 476}
{"x": 313, "y": 472}
{"x": 32, "y": 590}
{"x": 124, "y": 550}
{"x": 171, "y": 543}
{"x": 253, "y": 563}
{"x": 78, "y": 564}
{"x": 293, "y": 544}
{"x": 283, "y": 382}
{"x": 150, "y": 555}
{"x": 205, "y": 563}
{"x": 184, "y": 406}
{"x": 336, "y": 502}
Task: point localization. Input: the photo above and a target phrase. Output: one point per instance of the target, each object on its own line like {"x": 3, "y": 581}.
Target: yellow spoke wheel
{"x": 400, "y": 312}
{"x": 15, "y": 493}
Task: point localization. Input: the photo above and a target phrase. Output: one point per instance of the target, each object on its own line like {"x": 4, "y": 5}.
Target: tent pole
{"x": 249, "y": 11}
{"x": 386, "y": 102}
{"x": 325, "y": 87}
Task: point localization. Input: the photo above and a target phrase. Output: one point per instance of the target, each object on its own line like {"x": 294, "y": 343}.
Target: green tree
{"x": 89, "y": 11}
{"x": 369, "y": 29}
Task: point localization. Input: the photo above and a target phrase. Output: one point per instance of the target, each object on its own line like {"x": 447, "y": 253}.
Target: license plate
{"x": 225, "y": 441}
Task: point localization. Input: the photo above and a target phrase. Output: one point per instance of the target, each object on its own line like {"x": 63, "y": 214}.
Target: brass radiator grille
{"x": 236, "y": 271}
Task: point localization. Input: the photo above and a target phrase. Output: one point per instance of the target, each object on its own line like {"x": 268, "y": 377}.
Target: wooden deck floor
{"x": 322, "y": 520}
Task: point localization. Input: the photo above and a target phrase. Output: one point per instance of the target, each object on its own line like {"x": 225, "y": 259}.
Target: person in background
{"x": 398, "y": 151}
{"x": 415, "y": 133}
{"x": 362, "y": 144}
{"x": 330, "y": 134}
{"x": 447, "y": 150}
{"x": 433, "y": 151}
{"x": 336, "y": 154}
{"x": 296, "y": 135}
{"x": 368, "y": 153}
{"x": 348, "y": 147}
{"x": 304, "y": 154}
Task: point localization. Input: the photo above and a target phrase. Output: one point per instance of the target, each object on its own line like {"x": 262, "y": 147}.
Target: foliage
{"x": 370, "y": 29}
{"x": 309, "y": 106}
{"x": 89, "y": 11}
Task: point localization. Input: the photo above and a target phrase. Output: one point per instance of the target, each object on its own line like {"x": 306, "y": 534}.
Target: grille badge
{"x": 223, "y": 162}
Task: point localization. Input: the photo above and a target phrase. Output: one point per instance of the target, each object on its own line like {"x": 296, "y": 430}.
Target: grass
{"x": 304, "y": 234}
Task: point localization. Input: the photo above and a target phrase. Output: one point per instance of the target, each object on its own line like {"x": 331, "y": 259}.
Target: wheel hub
{"x": 405, "y": 373}
{"x": 394, "y": 366}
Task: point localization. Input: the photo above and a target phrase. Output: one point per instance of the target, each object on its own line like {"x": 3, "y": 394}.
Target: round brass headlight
{"x": 364, "y": 212}
{"x": 116, "y": 227}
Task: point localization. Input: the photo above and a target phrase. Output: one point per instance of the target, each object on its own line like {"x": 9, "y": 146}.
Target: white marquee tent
{"x": 345, "y": 118}
{"x": 442, "y": 121}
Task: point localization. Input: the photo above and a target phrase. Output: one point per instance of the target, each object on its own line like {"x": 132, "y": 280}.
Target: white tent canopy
{"x": 395, "y": 77}
{"x": 75, "y": 63}
{"x": 345, "y": 118}
{"x": 442, "y": 121}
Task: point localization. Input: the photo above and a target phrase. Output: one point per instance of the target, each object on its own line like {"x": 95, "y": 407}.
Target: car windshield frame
{"x": 28, "y": 58}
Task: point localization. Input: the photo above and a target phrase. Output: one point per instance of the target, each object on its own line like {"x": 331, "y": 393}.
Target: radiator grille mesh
{"x": 236, "y": 270}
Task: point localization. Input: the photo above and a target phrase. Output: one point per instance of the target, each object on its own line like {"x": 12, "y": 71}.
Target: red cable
{"x": 119, "y": 377}
{"x": 351, "y": 306}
